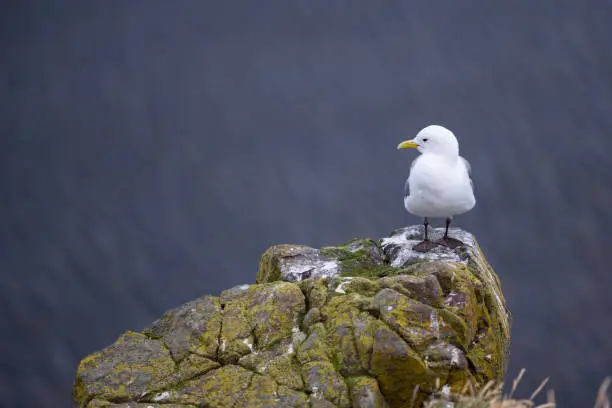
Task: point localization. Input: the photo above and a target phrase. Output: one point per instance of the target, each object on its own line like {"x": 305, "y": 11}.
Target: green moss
{"x": 371, "y": 272}
{"x": 360, "y": 257}
{"x": 268, "y": 264}
{"x": 365, "y": 287}
{"x": 354, "y": 284}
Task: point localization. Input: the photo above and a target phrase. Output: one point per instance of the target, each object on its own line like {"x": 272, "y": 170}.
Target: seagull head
{"x": 433, "y": 139}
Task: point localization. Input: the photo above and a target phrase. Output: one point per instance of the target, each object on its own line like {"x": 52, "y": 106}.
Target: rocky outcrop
{"x": 366, "y": 324}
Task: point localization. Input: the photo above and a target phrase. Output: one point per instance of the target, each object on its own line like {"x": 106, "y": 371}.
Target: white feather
{"x": 439, "y": 184}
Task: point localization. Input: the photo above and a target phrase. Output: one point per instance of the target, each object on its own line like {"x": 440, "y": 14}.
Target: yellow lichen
{"x": 337, "y": 340}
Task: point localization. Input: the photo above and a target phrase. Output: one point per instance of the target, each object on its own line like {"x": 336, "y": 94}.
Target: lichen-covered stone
{"x": 314, "y": 347}
{"x": 322, "y": 380}
{"x": 354, "y": 284}
{"x": 365, "y": 324}
{"x": 219, "y": 388}
{"x": 425, "y": 288}
{"x": 313, "y": 316}
{"x": 233, "y": 292}
{"x": 251, "y": 320}
{"x": 316, "y": 292}
{"x": 291, "y": 398}
{"x": 124, "y": 371}
{"x": 191, "y": 328}
{"x": 357, "y": 257}
{"x": 106, "y": 404}
{"x": 279, "y": 363}
{"x": 295, "y": 263}
{"x": 365, "y": 393}
{"x": 261, "y": 392}
{"x": 397, "y": 367}
{"x": 340, "y": 315}
{"x": 316, "y": 401}
{"x": 269, "y": 326}
{"x": 446, "y": 265}
{"x": 190, "y": 367}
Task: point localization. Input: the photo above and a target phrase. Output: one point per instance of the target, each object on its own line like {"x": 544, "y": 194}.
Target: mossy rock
{"x": 365, "y": 324}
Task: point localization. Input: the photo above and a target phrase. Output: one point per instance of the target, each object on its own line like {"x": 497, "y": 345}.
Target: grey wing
{"x": 469, "y": 170}
{"x": 406, "y": 185}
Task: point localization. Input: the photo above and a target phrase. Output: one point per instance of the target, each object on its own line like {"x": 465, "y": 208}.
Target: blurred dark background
{"x": 150, "y": 151}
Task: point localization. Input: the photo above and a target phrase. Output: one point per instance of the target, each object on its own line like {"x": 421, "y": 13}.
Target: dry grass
{"x": 491, "y": 396}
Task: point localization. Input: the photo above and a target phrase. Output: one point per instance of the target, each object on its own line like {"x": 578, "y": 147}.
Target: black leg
{"x": 426, "y": 244}
{"x": 448, "y": 221}
{"x": 447, "y": 241}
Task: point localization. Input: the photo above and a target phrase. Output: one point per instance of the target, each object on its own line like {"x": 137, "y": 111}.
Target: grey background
{"x": 151, "y": 150}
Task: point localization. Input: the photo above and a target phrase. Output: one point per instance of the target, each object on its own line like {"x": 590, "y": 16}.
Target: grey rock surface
{"x": 368, "y": 335}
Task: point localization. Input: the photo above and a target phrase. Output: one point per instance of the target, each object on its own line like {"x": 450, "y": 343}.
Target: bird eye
{"x": 425, "y": 139}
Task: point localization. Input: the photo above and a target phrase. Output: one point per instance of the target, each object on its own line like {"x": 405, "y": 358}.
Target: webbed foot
{"x": 424, "y": 246}
{"x": 449, "y": 242}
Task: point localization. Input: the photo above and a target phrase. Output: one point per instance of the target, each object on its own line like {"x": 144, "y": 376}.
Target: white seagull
{"x": 439, "y": 185}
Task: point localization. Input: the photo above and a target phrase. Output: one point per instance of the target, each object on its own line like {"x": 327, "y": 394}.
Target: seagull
{"x": 439, "y": 184}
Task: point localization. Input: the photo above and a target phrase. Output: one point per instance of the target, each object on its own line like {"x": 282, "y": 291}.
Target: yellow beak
{"x": 408, "y": 144}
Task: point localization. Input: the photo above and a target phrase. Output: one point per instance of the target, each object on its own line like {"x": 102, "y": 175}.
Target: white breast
{"x": 439, "y": 187}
